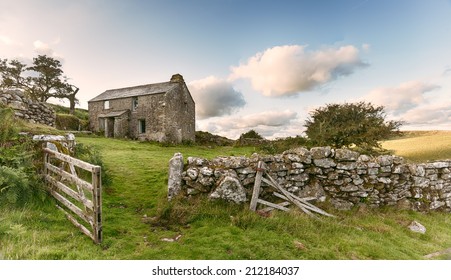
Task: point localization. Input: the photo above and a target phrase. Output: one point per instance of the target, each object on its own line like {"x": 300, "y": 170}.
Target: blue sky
{"x": 252, "y": 64}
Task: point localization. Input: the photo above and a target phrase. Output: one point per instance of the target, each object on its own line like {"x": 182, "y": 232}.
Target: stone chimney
{"x": 177, "y": 78}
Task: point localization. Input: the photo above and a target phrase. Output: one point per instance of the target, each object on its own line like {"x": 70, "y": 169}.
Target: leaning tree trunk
{"x": 72, "y": 101}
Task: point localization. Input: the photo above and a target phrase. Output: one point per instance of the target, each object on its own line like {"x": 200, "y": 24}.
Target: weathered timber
{"x": 74, "y": 208}
{"x": 267, "y": 209}
{"x": 74, "y": 172}
{"x": 70, "y": 192}
{"x": 84, "y": 165}
{"x": 289, "y": 198}
{"x": 305, "y": 204}
{"x": 273, "y": 205}
{"x": 97, "y": 197}
{"x": 68, "y": 176}
{"x": 286, "y": 193}
{"x": 57, "y": 178}
{"x": 74, "y": 221}
{"x": 311, "y": 206}
{"x": 257, "y": 184}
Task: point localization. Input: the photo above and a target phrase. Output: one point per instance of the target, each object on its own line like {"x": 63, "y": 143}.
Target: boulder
{"x": 175, "y": 175}
{"x": 417, "y": 227}
{"x": 230, "y": 189}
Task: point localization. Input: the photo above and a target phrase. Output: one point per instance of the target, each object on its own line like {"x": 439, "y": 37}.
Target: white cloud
{"x": 411, "y": 103}
{"x": 215, "y": 97}
{"x": 400, "y": 99}
{"x": 430, "y": 114}
{"x": 6, "y": 40}
{"x": 269, "y": 124}
{"x": 288, "y": 70}
{"x": 42, "y": 48}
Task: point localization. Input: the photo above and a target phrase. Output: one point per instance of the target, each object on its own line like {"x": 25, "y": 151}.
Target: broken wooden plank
{"x": 267, "y": 209}
{"x": 75, "y": 209}
{"x": 306, "y": 205}
{"x": 257, "y": 186}
{"x": 286, "y": 193}
{"x": 312, "y": 207}
{"x": 273, "y": 205}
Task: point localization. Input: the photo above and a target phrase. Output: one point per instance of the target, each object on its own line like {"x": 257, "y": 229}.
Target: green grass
{"x": 137, "y": 217}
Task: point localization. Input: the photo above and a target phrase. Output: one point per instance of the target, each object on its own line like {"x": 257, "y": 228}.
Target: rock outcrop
{"x": 27, "y": 109}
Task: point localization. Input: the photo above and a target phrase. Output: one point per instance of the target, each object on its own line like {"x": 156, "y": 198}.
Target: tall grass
{"x": 421, "y": 146}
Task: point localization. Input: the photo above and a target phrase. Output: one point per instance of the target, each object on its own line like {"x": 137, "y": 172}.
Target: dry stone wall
{"x": 28, "y": 109}
{"x": 341, "y": 177}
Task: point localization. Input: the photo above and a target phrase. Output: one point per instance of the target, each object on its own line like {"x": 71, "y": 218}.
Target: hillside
{"x": 79, "y": 121}
{"x": 421, "y": 146}
{"x": 138, "y": 221}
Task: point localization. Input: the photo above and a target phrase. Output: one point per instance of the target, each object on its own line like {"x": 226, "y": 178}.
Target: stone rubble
{"x": 27, "y": 109}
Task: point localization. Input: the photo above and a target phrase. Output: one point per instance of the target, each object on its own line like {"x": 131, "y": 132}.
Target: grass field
{"x": 421, "y": 146}
{"x": 137, "y": 217}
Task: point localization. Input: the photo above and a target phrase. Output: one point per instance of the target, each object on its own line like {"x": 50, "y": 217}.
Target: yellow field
{"x": 421, "y": 146}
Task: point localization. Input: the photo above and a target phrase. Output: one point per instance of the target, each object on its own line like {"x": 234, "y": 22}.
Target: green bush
{"x": 8, "y": 129}
{"x": 350, "y": 124}
{"x": 82, "y": 114}
{"x": 251, "y": 134}
{"x": 70, "y": 122}
{"x": 92, "y": 155}
{"x": 208, "y": 139}
{"x": 278, "y": 146}
{"x": 14, "y": 185}
{"x": 19, "y": 182}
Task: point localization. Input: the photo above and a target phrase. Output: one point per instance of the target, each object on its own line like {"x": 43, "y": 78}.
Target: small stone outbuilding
{"x": 163, "y": 112}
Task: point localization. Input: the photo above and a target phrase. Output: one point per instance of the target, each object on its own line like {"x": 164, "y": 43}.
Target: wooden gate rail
{"x": 58, "y": 179}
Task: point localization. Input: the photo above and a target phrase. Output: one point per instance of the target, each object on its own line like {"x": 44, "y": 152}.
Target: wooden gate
{"x": 78, "y": 188}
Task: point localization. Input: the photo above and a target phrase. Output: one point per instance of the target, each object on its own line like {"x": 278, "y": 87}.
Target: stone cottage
{"x": 163, "y": 112}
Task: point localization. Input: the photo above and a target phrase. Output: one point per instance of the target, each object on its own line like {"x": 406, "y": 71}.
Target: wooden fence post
{"x": 97, "y": 200}
{"x": 256, "y": 190}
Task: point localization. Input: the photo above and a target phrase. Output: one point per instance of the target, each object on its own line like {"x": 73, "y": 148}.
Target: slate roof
{"x": 135, "y": 91}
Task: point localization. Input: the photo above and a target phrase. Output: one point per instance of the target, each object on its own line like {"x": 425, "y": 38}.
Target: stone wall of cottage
{"x": 27, "y": 109}
{"x": 340, "y": 177}
{"x": 180, "y": 114}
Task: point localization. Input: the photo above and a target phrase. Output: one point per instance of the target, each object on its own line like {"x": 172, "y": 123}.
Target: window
{"x": 142, "y": 126}
{"x": 134, "y": 103}
{"x": 106, "y": 104}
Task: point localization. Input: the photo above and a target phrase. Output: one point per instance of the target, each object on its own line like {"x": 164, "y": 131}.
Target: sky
{"x": 249, "y": 64}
